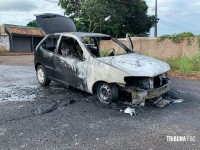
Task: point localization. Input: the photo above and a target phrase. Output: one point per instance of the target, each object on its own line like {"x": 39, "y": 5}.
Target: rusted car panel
{"x": 77, "y": 59}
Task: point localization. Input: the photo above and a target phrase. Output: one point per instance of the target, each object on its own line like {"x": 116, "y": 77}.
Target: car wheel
{"x": 107, "y": 93}
{"x": 42, "y": 76}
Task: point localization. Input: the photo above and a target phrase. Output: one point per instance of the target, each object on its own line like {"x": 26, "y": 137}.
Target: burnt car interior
{"x": 50, "y": 43}
{"x": 70, "y": 48}
{"x": 93, "y": 44}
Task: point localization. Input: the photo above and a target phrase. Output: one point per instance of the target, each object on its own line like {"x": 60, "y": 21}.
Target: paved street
{"x": 80, "y": 122}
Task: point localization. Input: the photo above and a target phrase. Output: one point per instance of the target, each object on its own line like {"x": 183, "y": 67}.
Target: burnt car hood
{"x": 137, "y": 65}
{"x": 54, "y": 23}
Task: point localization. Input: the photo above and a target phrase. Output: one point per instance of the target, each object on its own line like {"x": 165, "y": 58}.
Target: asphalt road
{"x": 80, "y": 122}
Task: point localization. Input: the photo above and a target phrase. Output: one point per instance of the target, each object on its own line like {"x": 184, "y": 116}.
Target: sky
{"x": 175, "y": 16}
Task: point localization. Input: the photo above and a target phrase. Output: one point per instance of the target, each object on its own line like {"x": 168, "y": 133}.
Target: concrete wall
{"x": 159, "y": 48}
{"x": 4, "y": 42}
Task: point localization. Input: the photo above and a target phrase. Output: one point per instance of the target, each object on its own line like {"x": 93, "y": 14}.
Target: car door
{"x": 71, "y": 69}
{"x": 47, "y": 49}
{"x": 47, "y": 60}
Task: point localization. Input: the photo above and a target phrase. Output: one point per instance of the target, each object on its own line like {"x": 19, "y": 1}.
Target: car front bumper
{"x": 138, "y": 95}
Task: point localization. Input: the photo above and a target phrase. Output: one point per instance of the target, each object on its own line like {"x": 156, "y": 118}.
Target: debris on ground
{"x": 130, "y": 111}
{"x": 162, "y": 102}
{"x": 70, "y": 102}
{"x": 176, "y": 94}
{"x": 118, "y": 106}
{"x": 178, "y": 101}
{"x": 44, "y": 108}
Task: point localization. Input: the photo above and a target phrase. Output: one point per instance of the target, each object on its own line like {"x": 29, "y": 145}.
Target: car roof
{"x": 84, "y": 34}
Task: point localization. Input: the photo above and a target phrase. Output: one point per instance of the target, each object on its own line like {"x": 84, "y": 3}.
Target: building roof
{"x": 23, "y": 30}
{"x": 19, "y": 26}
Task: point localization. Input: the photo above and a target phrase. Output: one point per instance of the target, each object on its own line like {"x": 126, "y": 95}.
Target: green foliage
{"x": 32, "y": 24}
{"x": 128, "y": 16}
{"x": 185, "y": 64}
{"x": 81, "y": 24}
{"x": 178, "y": 38}
{"x": 198, "y": 40}
{"x": 103, "y": 54}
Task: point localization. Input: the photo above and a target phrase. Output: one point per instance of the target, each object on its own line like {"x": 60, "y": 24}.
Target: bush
{"x": 178, "y": 38}
{"x": 185, "y": 64}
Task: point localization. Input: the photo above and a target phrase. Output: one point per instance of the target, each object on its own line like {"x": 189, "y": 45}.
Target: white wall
{"x": 4, "y": 42}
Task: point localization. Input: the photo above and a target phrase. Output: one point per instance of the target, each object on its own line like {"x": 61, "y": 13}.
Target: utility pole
{"x": 156, "y": 19}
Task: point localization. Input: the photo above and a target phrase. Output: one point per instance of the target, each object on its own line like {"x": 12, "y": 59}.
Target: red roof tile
{"x": 25, "y": 31}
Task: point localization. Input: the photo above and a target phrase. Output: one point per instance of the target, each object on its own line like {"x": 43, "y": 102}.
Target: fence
{"x": 160, "y": 48}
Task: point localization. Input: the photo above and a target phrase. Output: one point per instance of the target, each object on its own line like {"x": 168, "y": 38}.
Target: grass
{"x": 189, "y": 65}
{"x": 103, "y": 54}
{"x": 1, "y": 53}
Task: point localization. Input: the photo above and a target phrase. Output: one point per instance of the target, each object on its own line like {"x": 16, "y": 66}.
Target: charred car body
{"x": 78, "y": 59}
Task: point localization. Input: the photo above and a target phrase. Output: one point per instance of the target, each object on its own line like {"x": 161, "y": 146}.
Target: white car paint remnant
{"x": 130, "y": 111}
{"x": 137, "y": 65}
{"x": 178, "y": 101}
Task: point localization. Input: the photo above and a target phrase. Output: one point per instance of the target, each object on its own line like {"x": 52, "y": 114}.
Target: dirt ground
{"x": 81, "y": 122}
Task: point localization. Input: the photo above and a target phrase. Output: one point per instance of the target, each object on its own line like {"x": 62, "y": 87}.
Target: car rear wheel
{"x": 42, "y": 76}
{"x": 107, "y": 93}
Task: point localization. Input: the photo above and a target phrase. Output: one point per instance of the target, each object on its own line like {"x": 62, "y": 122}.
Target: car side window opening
{"x": 69, "y": 47}
{"x": 50, "y": 43}
{"x": 92, "y": 45}
{"x": 105, "y": 46}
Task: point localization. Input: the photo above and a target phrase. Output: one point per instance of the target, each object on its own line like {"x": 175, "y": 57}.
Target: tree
{"x": 32, "y": 24}
{"x": 89, "y": 11}
{"x": 128, "y": 16}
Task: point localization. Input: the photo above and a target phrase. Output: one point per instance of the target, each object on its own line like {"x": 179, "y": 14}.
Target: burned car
{"x": 83, "y": 61}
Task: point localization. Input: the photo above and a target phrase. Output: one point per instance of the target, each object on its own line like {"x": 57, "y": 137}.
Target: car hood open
{"x": 54, "y": 23}
{"x": 137, "y": 65}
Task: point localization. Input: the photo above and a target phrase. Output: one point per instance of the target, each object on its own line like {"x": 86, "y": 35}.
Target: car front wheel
{"x": 42, "y": 76}
{"x": 107, "y": 93}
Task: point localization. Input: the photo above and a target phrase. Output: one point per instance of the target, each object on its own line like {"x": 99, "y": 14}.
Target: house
{"x": 22, "y": 38}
